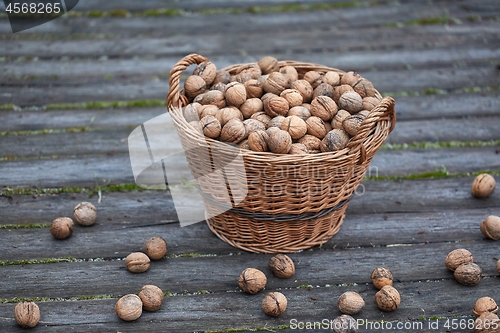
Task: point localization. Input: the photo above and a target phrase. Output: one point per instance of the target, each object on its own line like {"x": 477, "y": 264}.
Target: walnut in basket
{"x": 334, "y": 140}
{"x": 299, "y": 111}
{"x": 207, "y": 71}
{"x": 304, "y": 88}
{"x": 276, "y": 83}
{"x": 233, "y": 131}
{"x": 280, "y": 142}
{"x": 316, "y": 127}
{"x": 295, "y": 126}
{"x": 251, "y": 106}
{"x": 257, "y": 141}
{"x": 292, "y": 96}
{"x": 324, "y": 107}
{"x": 291, "y": 72}
{"x": 254, "y": 88}
{"x": 262, "y": 117}
{"x": 236, "y": 93}
{"x": 211, "y": 127}
{"x": 276, "y": 106}
{"x": 351, "y": 102}
{"x": 194, "y": 86}
{"x": 268, "y": 65}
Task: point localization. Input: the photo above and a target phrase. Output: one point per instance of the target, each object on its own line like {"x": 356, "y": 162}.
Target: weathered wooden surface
{"x": 439, "y": 59}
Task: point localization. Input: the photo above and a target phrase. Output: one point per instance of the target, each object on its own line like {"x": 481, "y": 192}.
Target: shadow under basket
{"x": 292, "y": 202}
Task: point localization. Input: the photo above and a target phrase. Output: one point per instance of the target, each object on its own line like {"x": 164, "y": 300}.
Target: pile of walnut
{"x": 267, "y": 108}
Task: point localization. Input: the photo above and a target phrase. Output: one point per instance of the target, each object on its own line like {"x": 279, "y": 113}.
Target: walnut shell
{"x": 311, "y": 142}
{"x": 219, "y": 86}
{"x": 274, "y": 304}
{"x": 280, "y": 142}
{"x": 85, "y": 214}
{"x": 268, "y": 65}
{"x": 251, "y": 69}
{"x": 241, "y": 78}
{"x": 307, "y": 106}
{"x": 282, "y": 266}
{"x": 295, "y": 126}
{"x": 468, "y": 274}
{"x": 226, "y": 114}
{"x": 276, "y": 83}
{"x": 267, "y": 96}
{"x": 62, "y": 228}
{"x": 350, "y": 78}
{"x": 222, "y": 76}
{"x": 252, "y": 280}
{"x": 276, "y": 122}
{"x": 381, "y": 277}
{"x": 291, "y": 72}
{"x": 207, "y": 71}
{"x": 276, "y": 106}
{"x": 244, "y": 145}
{"x": 314, "y": 78}
{"x": 387, "y": 298}
{"x": 364, "y": 88}
{"x": 352, "y": 123}
{"x": 490, "y": 227}
{"x": 194, "y": 86}
{"x": 350, "y": 303}
{"x": 252, "y": 125}
{"x": 292, "y": 96}
{"x": 339, "y": 118}
{"x": 155, "y": 248}
{"x": 316, "y": 127}
{"x": 137, "y": 262}
{"x": 299, "y": 111}
{"x": 324, "y": 89}
{"x": 344, "y": 324}
{"x": 27, "y": 314}
{"x": 485, "y": 304}
{"x": 351, "y": 102}
{"x": 151, "y": 297}
{"x": 211, "y": 127}
{"x": 304, "y": 88}
{"x": 129, "y": 307}
{"x": 334, "y": 140}
{"x": 262, "y": 78}
{"x": 233, "y": 131}
{"x": 211, "y": 97}
{"x": 458, "y": 257}
{"x": 324, "y": 107}
{"x": 253, "y": 88}
{"x": 262, "y": 117}
{"x": 257, "y": 141}
{"x": 208, "y": 110}
{"x": 340, "y": 90}
{"x": 332, "y": 78}
{"x": 251, "y": 106}
{"x": 236, "y": 93}
{"x": 192, "y": 112}
{"x": 370, "y": 102}
{"x": 298, "y": 149}
{"x": 487, "y": 322}
{"x": 483, "y": 186}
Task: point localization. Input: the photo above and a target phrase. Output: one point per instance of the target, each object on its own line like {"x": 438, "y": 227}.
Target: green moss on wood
{"x": 71, "y": 190}
{"x": 25, "y": 226}
{"x": 36, "y": 261}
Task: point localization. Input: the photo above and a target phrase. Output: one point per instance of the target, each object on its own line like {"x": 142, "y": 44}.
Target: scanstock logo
{"x": 25, "y": 15}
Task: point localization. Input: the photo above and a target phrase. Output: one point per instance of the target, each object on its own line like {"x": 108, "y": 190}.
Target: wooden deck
{"x": 72, "y": 90}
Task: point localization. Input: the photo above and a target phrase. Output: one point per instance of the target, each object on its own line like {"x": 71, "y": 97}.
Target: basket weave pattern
{"x": 294, "y": 202}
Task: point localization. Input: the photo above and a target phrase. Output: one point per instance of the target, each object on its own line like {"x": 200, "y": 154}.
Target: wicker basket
{"x": 294, "y": 202}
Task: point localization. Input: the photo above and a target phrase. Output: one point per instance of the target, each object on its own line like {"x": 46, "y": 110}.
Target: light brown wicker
{"x": 294, "y": 202}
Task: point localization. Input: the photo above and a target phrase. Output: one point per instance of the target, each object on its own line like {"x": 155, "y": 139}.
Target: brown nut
{"x": 226, "y": 114}
{"x": 316, "y": 127}
{"x": 295, "y": 126}
{"x": 252, "y": 125}
{"x": 276, "y": 83}
{"x": 267, "y": 96}
{"x": 334, "y": 140}
{"x": 280, "y": 142}
{"x": 276, "y": 106}
{"x": 268, "y": 65}
{"x": 262, "y": 117}
{"x": 236, "y": 93}
{"x": 364, "y": 88}
{"x": 129, "y": 307}
{"x": 241, "y": 77}
{"x": 292, "y": 96}
{"x": 251, "y": 69}
{"x": 468, "y": 274}
{"x": 219, "y": 86}
{"x": 490, "y": 227}
{"x": 324, "y": 89}
{"x": 155, "y": 248}
{"x": 339, "y": 118}
{"x": 485, "y": 304}
{"x": 244, "y": 145}
{"x": 208, "y": 110}
{"x": 151, "y": 297}
{"x": 233, "y": 131}
{"x": 276, "y": 122}
{"x": 487, "y": 322}
{"x": 458, "y": 257}
{"x": 314, "y": 78}
{"x": 257, "y": 141}
{"x": 381, "y": 277}
{"x": 344, "y": 324}
{"x": 85, "y": 214}
{"x": 351, "y": 102}
{"x": 340, "y": 90}
{"x": 298, "y": 149}
{"x": 251, "y": 106}
{"x": 211, "y": 97}
{"x": 137, "y": 262}
{"x": 211, "y": 127}
{"x": 350, "y": 303}
{"x": 62, "y": 227}
{"x": 274, "y": 304}
{"x": 483, "y": 186}
{"x": 352, "y": 123}
{"x": 311, "y": 142}
{"x": 27, "y": 314}
{"x": 282, "y": 266}
{"x": 291, "y": 72}
{"x": 254, "y": 88}
{"x": 194, "y": 86}
{"x": 324, "y": 107}
{"x": 192, "y": 112}
{"x": 222, "y": 76}
{"x": 387, "y": 298}
{"x": 207, "y": 71}
{"x": 332, "y": 78}
{"x": 350, "y": 78}
{"x": 252, "y": 280}
{"x": 299, "y": 111}
{"x": 304, "y": 88}
{"x": 370, "y": 102}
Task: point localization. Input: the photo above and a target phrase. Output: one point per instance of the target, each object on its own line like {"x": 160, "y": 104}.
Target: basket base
{"x": 275, "y": 237}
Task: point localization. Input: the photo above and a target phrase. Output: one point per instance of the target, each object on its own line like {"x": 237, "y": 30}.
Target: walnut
{"x": 225, "y": 114}
{"x": 219, "y": 86}
{"x": 332, "y": 78}
{"x": 295, "y": 126}
{"x": 487, "y": 322}
{"x": 468, "y": 274}
{"x": 262, "y": 117}
{"x": 293, "y": 97}
{"x": 352, "y": 123}
{"x": 311, "y": 142}
{"x": 339, "y": 118}
{"x": 304, "y": 88}
{"x": 267, "y": 96}
{"x": 236, "y": 93}
{"x": 241, "y": 78}
{"x": 252, "y": 125}
{"x": 233, "y": 131}
{"x": 381, "y": 277}
{"x": 274, "y": 304}
{"x": 485, "y": 304}
{"x": 351, "y": 102}
{"x": 244, "y": 145}
{"x": 307, "y": 106}
{"x": 490, "y": 227}
{"x": 276, "y": 122}
{"x": 211, "y": 97}
{"x": 316, "y": 127}
{"x": 129, "y": 307}
{"x": 324, "y": 89}
{"x": 334, "y": 140}
{"x": 340, "y": 90}
{"x": 85, "y": 214}
{"x": 208, "y": 110}
{"x": 324, "y": 107}
{"x": 291, "y": 72}
{"x": 251, "y": 106}
{"x": 298, "y": 149}
{"x": 194, "y": 86}
{"x": 251, "y": 69}
{"x": 137, "y": 262}
{"x": 155, "y": 248}
{"x": 300, "y": 112}
{"x": 252, "y": 280}
{"x": 211, "y": 127}
{"x": 192, "y": 112}
{"x": 364, "y": 88}
{"x": 314, "y": 78}
{"x": 222, "y": 76}
{"x": 458, "y": 257}
{"x": 151, "y": 297}
{"x": 27, "y": 314}
{"x": 328, "y": 126}
{"x": 276, "y": 83}
{"x": 262, "y": 79}
{"x": 268, "y": 65}
{"x": 350, "y": 78}
{"x": 62, "y": 227}
{"x": 387, "y": 298}
{"x": 483, "y": 186}
{"x": 370, "y": 102}
{"x": 280, "y": 142}
{"x": 257, "y": 141}
{"x": 207, "y": 71}
{"x": 350, "y": 303}
{"x": 254, "y": 88}
{"x": 276, "y": 106}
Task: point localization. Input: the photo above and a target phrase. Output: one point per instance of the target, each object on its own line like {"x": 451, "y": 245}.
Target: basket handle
{"x": 174, "y": 97}
{"x": 382, "y": 112}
